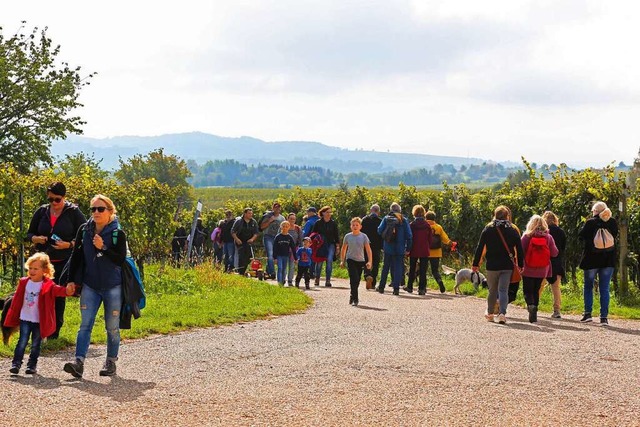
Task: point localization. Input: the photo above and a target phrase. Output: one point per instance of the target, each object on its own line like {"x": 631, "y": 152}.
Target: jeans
{"x": 331, "y": 251}
{"x": 229, "y": 253}
{"x": 604, "y": 278}
{"x": 498, "y": 281}
{"x": 90, "y": 300}
{"x": 394, "y": 264}
{"x": 268, "y": 247}
{"x": 26, "y": 329}
{"x": 283, "y": 263}
{"x": 355, "y": 269}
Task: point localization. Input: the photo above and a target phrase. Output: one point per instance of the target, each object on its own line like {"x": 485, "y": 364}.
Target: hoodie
{"x": 421, "y": 231}
{"x": 590, "y": 258}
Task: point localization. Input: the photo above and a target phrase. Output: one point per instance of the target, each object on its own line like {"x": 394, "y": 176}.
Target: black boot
{"x": 75, "y": 368}
{"x": 108, "y": 369}
{"x": 533, "y": 313}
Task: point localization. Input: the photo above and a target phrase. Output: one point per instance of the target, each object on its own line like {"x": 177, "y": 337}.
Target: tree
{"x": 169, "y": 170}
{"x": 37, "y": 93}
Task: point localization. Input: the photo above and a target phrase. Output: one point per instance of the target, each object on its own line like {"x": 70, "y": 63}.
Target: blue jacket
{"x": 100, "y": 270}
{"x": 404, "y": 237}
{"x": 308, "y": 226}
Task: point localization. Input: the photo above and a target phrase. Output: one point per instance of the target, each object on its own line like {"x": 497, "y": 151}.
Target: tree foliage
{"x": 37, "y": 94}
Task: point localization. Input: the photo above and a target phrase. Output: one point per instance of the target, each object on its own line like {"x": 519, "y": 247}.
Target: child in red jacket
{"x": 33, "y": 309}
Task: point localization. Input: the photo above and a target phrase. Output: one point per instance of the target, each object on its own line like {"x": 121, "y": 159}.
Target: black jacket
{"x": 497, "y": 256}
{"x": 328, "y": 230}
{"x": 590, "y": 258}
{"x": 66, "y": 227}
{"x": 370, "y": 225}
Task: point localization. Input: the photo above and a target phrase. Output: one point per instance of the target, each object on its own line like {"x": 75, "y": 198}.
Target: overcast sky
{"x": 554, "y": 81}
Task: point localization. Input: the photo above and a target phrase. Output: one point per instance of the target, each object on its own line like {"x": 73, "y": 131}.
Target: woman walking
{"x": 557, "y": 262}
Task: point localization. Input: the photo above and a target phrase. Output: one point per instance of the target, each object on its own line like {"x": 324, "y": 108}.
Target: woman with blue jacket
{"x": 96, "y": 264}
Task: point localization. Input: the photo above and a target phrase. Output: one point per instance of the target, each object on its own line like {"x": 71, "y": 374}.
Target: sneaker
{"x": 369, "y": 281}
{"x": 586, "y": 317}
{"x": 604, "y": 321}
{"x": 380, "y": 289}
{"x": 327, "y": 285}
{"x": 396, "y": 291}
{"x": 14, "y": 369}
{"x": 407, "y": 289}
{"x": 489, "y": 317}
{"x": 556, "y": 315}
{"x": 75, "y": 368}
{"x": 317, "y": 282}
{"x": 502, "y": 319}
{"x": 442, "y": 288}
{"x": 108, "y": 369}
{"x": 355, "y": 303}
{"x": 422, "y": 292}
{"x": 31, "y": 370}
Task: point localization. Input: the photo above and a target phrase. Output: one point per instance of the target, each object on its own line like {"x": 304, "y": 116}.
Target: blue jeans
{"x": 229, "y": 252}
{"x": 283, "y": 263}
{"x": 26, "y": 329}
{"x": 90, "y": 300}
{"x": 331, "y": 251}
{"x": 498, "y": 283}
{"x": 291, "y": 271}
{"x": 604, "y": 276}
{"x": 268, "y": 247}
{"x": 393, "y": 264}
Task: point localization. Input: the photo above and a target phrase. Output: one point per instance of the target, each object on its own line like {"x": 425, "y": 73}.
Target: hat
{"x": 312, "y": 209}
{"x": 306, "y": 239}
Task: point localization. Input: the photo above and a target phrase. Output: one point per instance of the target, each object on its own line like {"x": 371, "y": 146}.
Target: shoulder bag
{"x": 515, "y": 273}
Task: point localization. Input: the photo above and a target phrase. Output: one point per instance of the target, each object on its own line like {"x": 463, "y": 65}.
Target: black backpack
{"x": 390, "y": 232}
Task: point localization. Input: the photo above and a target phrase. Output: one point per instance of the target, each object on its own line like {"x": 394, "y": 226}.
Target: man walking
{"x": 396, "y": 234}
{"x": 370, "y": 225}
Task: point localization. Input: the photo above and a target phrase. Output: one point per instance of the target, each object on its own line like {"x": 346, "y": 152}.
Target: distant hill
{"x": 202, "y": 147}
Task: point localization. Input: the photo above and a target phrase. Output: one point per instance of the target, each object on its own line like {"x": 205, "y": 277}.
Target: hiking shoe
{"x": 556, "y": 315}
{"x": 586, "y": 317}
{"x": 502, "y": 319}
{"x": 108, "y": 369}
{"x": 31, "y": 370}
{"x": 369, "y": 280}
{"x": 14, "y": 369}
{"x": 604, "y": 321}
{"x": 422, "y": 292}
{"x": 396, "y": 291}
{"x": 327, "y": 285}
{"x": 380, "y": 289}
{"x": 442, "y": 288}
{"x": 533, "y": 313}
{"x": 75, "y": 368}
{"x": 407, "y": 289}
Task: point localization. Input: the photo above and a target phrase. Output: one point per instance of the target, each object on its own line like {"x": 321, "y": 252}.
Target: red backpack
{"x": 538, "y": 253}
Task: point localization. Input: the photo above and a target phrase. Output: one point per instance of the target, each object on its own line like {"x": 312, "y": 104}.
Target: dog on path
{"x": 467, "y": 275}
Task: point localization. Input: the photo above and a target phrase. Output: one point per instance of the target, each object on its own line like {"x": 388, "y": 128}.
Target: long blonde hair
{"x": 536, "y": 223}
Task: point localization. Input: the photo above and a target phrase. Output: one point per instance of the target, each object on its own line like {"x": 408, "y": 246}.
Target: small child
{"x": 283, "y": 247}
{"x": 33, "y": 309}
{"x": 354, "y": 246}
{"x": 304, "y": 262}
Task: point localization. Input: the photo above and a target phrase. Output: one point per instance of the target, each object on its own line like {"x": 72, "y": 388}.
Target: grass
{"x": 179, "y": 299}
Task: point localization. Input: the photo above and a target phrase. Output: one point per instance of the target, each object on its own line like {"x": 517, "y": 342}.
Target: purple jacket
{"x": 538, "y": 272}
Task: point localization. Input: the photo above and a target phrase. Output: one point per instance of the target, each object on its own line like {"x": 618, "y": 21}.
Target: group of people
{"x": 536, "y": 257}
{"x": 90, "y": 254}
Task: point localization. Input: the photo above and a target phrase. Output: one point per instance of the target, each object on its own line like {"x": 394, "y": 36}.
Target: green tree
{"x": 37, "y": 94}
{"x": 166, "y": 169}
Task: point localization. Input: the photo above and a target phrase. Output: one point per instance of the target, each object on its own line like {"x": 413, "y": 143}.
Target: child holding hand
{"x": 353, "y": 249}
{"x": 283, "y": 248}
{"x": 304, "y": 262}
{"x": 33, "y": 309}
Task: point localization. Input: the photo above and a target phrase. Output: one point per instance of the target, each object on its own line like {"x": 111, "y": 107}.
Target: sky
{"x": 553, "y": 81}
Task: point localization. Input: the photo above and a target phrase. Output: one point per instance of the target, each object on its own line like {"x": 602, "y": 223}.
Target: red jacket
{"x": 421, "y": 238}
{"x": 46, "y": 305}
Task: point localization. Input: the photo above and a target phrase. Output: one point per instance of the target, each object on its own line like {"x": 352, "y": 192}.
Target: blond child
{"x": 354, "y": 246}
{"x": 33, "y": 310}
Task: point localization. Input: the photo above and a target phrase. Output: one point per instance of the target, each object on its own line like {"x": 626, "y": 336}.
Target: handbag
{"x": 515, "y": 273}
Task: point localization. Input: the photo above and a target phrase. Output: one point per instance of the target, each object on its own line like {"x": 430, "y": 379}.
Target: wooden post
{"x": 623, "y": 229}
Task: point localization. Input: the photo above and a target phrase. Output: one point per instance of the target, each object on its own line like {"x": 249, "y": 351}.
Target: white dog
{"x": 466, "y": 274}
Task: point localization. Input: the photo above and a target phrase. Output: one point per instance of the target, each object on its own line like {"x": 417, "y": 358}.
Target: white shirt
{"x": 30, "y": 312}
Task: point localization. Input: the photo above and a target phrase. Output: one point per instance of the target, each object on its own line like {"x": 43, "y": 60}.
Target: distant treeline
{"x": 231, "y": 173}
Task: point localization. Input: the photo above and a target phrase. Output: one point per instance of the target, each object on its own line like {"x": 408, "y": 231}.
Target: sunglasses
{"x": 54, "y": 199}
{"x": 98, "y": 208}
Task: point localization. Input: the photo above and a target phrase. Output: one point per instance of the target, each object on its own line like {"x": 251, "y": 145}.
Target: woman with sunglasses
{"x": 53, "y": 230}
{"x": 96, "y": 265}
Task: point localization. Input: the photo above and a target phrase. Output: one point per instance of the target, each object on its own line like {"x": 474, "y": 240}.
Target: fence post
{"x": 21, "y": 254}
{"x": 624, "y": 246}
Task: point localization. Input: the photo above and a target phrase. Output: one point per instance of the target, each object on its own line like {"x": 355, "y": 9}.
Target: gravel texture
{"x": 394, "y": 360}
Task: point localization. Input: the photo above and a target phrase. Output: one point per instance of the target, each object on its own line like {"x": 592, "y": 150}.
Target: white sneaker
{"x": 502, "y": 319}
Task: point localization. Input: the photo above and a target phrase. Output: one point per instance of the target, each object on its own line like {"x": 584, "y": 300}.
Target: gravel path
{"x": 407, "y": 360}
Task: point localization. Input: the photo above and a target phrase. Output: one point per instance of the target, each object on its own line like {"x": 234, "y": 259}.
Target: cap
{"x": 312, "y": 209}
